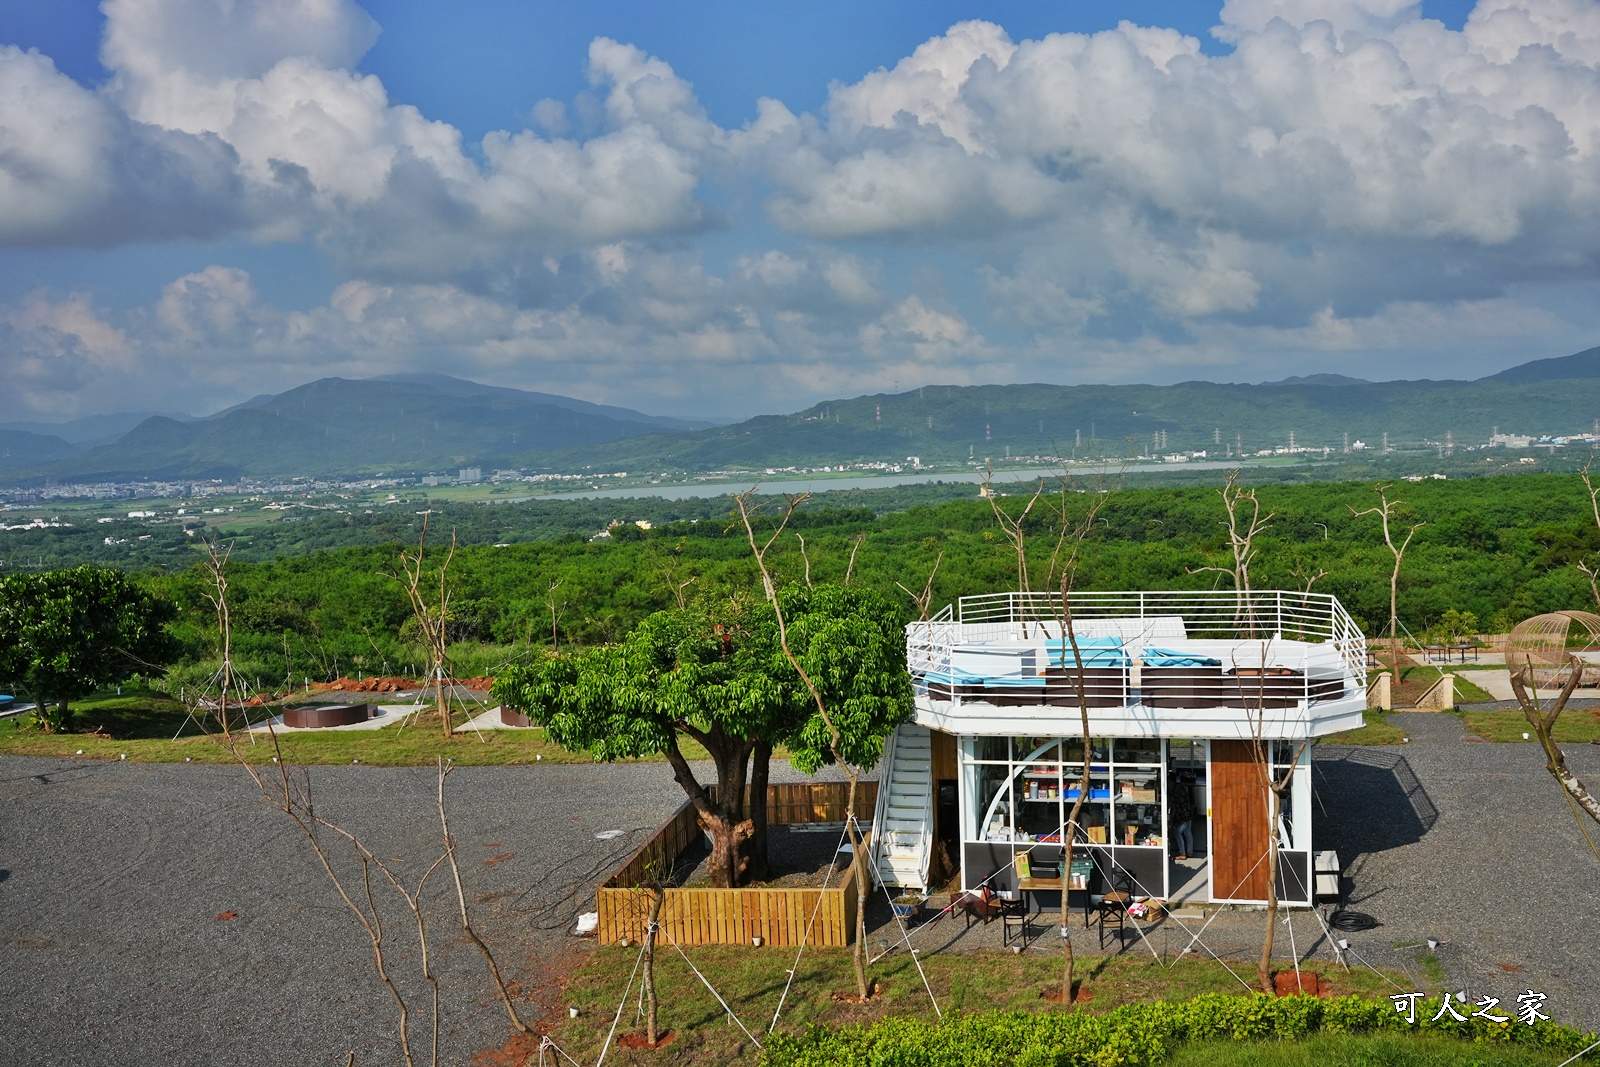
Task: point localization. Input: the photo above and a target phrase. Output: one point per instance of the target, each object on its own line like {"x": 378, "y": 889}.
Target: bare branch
{"x": 1013, "y": 525}
{"x": 802, "y": 539}
{"x": 461, "y": 900}
{"x": 855, "y": 547}
{"x": 924, "y": 600}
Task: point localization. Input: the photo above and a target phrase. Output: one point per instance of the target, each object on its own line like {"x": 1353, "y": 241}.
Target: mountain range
{"x": 428, "y": 422}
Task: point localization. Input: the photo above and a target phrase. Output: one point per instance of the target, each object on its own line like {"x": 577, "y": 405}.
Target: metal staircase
{"x": 902, "y": 840}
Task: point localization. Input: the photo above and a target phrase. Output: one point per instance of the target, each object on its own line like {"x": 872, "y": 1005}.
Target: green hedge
{"x": 1132, "y": 1035}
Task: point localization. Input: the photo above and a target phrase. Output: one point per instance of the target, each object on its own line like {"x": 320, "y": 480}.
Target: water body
{"x": 878, "y": 481}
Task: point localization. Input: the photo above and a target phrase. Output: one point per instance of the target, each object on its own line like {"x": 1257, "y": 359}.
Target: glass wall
{"x": 1022, "y": 789}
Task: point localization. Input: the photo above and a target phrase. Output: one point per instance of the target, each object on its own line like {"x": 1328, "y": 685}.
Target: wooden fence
{"x": 704, "y": 916}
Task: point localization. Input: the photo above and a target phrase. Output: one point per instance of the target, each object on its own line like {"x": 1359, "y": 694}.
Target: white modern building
{"x": 1183, "y": 691}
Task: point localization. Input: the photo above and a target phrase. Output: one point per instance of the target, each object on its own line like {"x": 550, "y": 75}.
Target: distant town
{"x": 539, "y": 482}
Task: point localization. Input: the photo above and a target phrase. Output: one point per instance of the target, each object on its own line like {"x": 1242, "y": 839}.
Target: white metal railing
{"x": 1183, "y": 648}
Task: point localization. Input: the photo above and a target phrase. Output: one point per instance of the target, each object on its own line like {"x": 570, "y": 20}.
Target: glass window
{"x": 991, "y": 748}
{"x": 1029, "y": 796}
{"x": 1138, "y": 750}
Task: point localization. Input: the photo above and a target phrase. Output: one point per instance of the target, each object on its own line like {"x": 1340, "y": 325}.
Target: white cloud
{"x": 1108, "y": 203}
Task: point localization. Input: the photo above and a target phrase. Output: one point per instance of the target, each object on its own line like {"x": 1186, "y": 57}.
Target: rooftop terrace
{"x": 1147, "y": 664}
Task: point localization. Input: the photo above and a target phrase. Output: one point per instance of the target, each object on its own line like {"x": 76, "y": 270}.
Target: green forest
{"x": 1499, "y": 548}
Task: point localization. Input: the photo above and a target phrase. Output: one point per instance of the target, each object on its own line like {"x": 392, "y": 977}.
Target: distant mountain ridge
{"x": 419, "y": 423}
{"x": 413, "y": 423}
{"x": 1585, "y": 364}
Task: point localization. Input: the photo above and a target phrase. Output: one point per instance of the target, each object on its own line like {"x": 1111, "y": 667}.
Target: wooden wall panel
{"x": 1238, "y": 823}
{"x": 944, "y": 754}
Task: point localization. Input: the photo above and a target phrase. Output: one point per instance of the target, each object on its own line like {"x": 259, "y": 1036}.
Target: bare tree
{"x": 1307, "y": 575}
{"x": 1591, "y": 571}
{"x": 1244, "y": 522}
{"x": 836, "y": 739}
{"x": 467, "y": 930}
{"x": 432, "y": 615}
{"x": 1543, "y": 720}
{"x": 924, "y": 599}
{"x": 804, "y": 556}
{"x": 1070, "y": 536}
{"x": 1273, "y": 787}
{"x": 216, "y": 568}
{"x": 1014, "y": 525}
{"x": 855, "y": 546}
{"x": 1387, "y": 511}
{"x": 555, "y": 612}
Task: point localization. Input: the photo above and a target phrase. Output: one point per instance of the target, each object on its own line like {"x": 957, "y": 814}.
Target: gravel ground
{"x": 113, "y": 875}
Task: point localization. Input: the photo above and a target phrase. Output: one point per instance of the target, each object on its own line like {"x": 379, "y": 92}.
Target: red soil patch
{"x": 518, "y": 1050}
{"x": 1310, "y": 984}
{"x": 374, "y": 684}
{"x": 1053, "y": 994}
{"x": 638, "y": 1040}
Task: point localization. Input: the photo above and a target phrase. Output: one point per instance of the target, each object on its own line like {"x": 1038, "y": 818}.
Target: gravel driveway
{"x": 1472, "y": 843}
{"x": 113, "y": 875}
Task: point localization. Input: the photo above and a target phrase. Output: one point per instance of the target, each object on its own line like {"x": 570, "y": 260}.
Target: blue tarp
{"x": 957, "y": 676}
{"x": 1163, "y": 657}
{"x": 1094, "y": 651}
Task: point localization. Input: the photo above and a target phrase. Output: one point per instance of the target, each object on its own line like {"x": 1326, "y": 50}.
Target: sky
{"x": 724, "y": 209}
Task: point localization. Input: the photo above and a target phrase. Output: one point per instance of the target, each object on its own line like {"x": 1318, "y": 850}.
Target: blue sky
{"x": 726, "y": 208}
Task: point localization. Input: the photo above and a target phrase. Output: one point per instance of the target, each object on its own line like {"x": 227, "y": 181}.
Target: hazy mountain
{"x": 333, "y": 425}
{"x": 93, "y": 429}
{"x": 19, "y": 448}
{"x": 1585, "y": 364}
{"x": 445, "y": 385}
{"x": 1319, "y": 379}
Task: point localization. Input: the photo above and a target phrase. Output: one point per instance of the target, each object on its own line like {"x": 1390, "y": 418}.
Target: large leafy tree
{"x": 717, "y": 676}
{"x": 64, "y": 634}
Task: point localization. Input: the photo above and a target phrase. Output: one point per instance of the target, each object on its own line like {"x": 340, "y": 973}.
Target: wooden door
{"x": 1239, "y": 839}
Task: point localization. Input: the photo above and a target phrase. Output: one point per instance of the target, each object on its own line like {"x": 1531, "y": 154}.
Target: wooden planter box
{"x": 703, "y": 916}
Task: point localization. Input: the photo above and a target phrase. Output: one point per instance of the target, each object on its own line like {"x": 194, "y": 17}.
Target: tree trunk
{"x": 858, "y": 862}
{"x": 650, "y": 1034}
{"x": 1556, "y": 764}
{"x": 1080, "y": 687}
{"x": 757, "y": 867}
{"x": 57, "y": 722}
{"x": 720, "y": 815}
{"x": 1264, "y": 965}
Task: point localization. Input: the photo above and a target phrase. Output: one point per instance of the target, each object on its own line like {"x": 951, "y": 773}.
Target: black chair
{"x": 1015, "y": 918}
{"x": 1113, "y": 907}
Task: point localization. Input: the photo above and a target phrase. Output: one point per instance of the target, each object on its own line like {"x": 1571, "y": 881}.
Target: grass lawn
{"x": 142, "y": 726}
{"x": 1376, "y": 731}
{"x": 752, "y": 980}
{"x": 1576, "y": 725}
{"x": 1363, "y": 1050}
